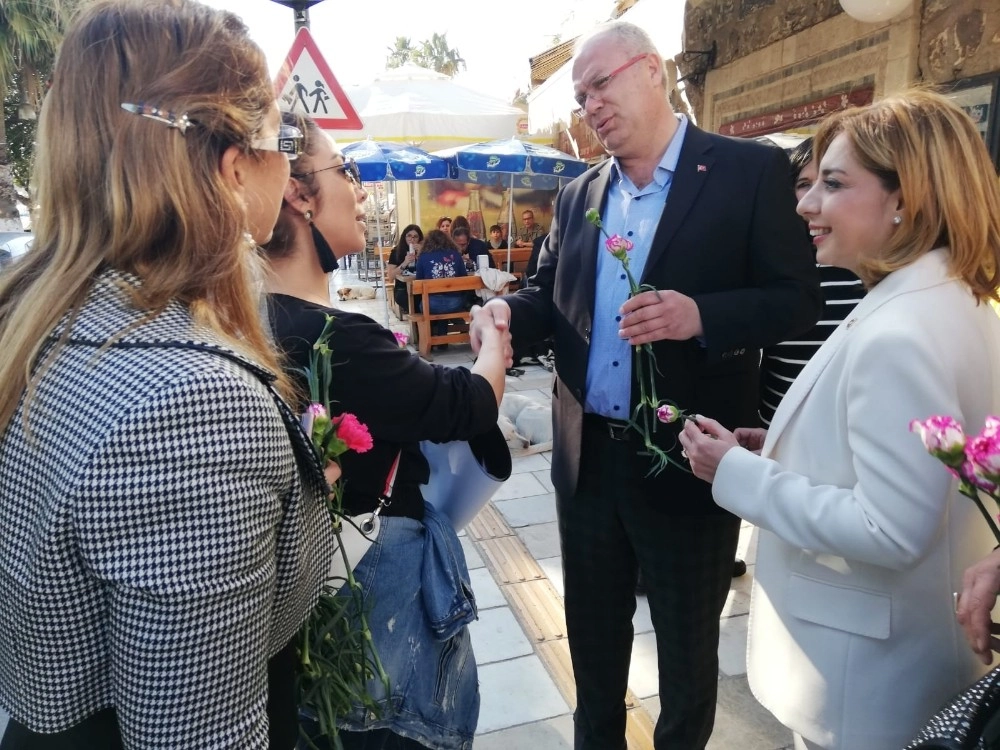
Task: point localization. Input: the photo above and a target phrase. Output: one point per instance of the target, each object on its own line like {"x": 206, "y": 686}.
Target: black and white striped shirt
{"x": 781, "y": 363}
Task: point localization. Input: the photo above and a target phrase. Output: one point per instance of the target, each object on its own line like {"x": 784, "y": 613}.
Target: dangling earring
{"x": 327, "y": 260}
{"x": 897, "y": 220}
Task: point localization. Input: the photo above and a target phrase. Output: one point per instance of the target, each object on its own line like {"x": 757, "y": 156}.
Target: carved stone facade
{"x": 783, "y": 64}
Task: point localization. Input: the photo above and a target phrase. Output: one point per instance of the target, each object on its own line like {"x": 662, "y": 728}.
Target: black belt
{"x": 615, "y": 429}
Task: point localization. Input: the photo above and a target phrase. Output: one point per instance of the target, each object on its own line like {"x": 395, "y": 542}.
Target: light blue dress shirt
{"x": 633, "y": 214}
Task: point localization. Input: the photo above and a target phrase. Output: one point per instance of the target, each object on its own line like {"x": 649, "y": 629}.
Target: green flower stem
{"x": 643, "y": 419}
{"x": 972, "y": 493}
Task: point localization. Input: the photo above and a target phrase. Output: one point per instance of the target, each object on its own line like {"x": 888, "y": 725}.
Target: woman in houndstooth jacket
{"x": 164, "y": 535}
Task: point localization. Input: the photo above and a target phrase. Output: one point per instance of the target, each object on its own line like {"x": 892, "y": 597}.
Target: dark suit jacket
{"x": 730, "y": 239}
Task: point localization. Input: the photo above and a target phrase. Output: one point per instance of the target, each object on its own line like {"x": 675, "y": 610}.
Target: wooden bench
{"x": 458, "y": 321}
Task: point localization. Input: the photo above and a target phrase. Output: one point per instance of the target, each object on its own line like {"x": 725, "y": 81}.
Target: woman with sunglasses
{"x": 164, "y": 529}
{"x": 434, "y": 700}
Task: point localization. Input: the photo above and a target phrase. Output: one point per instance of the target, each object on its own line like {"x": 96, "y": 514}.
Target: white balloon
{"x": 874, "y": 11}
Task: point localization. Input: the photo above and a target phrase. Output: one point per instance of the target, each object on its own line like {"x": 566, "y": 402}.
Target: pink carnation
{"x": 983, "y": 453}
{"x": 309, "y": 417}
{"x": 943, "y": 438}
{"x": 668, "y": 413}
{"x": 401, "y": 338}
{"x": 991, "y": 426}
{"x": 354, "y": 434}
{"x": 618, "y": 246}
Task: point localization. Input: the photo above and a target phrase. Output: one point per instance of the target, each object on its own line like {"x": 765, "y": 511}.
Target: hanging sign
{"x": 305, "y": 84}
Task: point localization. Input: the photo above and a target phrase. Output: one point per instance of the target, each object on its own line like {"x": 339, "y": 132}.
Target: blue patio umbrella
{"x": 379, "y": 161}
{"x": 517, "y": 160}
{"x": 512, "y": 156}
{"x": 526, "y": 181}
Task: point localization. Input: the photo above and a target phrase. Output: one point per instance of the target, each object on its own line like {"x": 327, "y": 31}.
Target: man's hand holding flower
{"x": 659, "y": 315}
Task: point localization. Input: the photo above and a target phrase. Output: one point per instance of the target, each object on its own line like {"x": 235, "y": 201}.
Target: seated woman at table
{"x": 441, "y": 259}
{"x": 442, "y": 404}
{"x": 403, "y": 259}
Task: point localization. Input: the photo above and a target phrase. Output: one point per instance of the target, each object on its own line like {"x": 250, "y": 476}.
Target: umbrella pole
{"x": 378, "y": 250}
{"x": 510, "y": 222}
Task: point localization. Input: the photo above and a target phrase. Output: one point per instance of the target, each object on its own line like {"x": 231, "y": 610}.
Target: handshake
{"x": 490, "y": 330}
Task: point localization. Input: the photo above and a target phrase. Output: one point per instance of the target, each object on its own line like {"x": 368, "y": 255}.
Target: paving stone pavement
{"x": 513, "y": 554}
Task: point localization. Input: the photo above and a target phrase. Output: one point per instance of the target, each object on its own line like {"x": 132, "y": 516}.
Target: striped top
{"x": 781, "y": 363}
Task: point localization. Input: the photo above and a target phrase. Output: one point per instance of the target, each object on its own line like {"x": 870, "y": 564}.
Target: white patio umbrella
{"x": 411, "y": 104}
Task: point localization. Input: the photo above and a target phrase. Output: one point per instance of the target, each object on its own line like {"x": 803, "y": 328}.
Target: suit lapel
{"x": 693, "y": 167}
{"x": 597, "y": 192}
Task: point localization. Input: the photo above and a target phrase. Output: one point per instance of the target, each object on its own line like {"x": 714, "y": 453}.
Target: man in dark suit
{"x": 715, "y": 232}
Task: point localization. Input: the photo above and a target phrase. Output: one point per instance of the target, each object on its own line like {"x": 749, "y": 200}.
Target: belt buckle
{"x": 618, "y": 431}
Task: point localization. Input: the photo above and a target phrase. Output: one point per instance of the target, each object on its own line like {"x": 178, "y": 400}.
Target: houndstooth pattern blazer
{"x": 162, "y": 535}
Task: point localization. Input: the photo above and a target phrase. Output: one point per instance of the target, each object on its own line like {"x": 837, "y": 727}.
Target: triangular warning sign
{"x": 306, "y": 84}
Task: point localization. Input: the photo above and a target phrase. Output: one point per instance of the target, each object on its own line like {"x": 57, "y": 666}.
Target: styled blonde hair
{"x": 924, "y": 145}
{"x": 117, "y": 189}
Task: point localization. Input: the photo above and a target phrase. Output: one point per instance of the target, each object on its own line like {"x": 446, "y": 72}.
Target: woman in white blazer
{"x": 853, "y": 641}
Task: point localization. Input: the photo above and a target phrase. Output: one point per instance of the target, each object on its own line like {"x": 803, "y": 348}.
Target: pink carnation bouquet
{"x": 651, "y": 408}
{"x": 974, "y": 460}
{"x": 336, "y": 653}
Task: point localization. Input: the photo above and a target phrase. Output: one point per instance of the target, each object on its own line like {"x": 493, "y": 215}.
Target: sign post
{"x": 306, "y": 84}
{"x": 301, "y": 10}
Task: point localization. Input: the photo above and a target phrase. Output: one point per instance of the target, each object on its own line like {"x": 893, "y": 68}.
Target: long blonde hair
{"x": 924, "y": 145}
{"x": 125, "y": 191}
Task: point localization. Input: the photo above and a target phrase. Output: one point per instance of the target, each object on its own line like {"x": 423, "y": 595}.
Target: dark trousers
{"x": 609, "y": 530}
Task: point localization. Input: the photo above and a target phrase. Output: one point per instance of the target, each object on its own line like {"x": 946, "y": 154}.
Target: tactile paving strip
{"x": 538, "y": 608}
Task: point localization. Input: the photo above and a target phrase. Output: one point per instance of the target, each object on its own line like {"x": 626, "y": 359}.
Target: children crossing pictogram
{"x": 306, "y": 84}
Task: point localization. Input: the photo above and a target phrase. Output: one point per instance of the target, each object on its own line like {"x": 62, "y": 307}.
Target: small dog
{"x": 355, "y": 292}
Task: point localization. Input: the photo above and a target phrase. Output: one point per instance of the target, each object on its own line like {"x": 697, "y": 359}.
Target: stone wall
{"x": 959, "y": 39}
{"x": 781, "y": 55}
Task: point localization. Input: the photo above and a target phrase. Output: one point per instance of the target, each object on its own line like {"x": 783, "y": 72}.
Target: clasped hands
{"x": 491, "y": 326}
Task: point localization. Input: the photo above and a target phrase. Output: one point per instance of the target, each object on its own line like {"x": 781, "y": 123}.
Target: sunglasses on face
{"x": 349, "y": 168}
{"x": 288, "y": 141}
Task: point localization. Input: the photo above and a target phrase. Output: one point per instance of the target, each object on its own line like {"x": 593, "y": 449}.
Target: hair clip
{"x": 171, "y": 120}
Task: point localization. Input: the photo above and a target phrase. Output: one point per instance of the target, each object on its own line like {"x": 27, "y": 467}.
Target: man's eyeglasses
{"x": 599, "y": 84}
{"x": 288, "y": 141}
{"x": 349, "y": 168}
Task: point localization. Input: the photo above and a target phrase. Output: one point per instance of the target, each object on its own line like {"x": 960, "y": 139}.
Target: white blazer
{"x": 863, "y": 536}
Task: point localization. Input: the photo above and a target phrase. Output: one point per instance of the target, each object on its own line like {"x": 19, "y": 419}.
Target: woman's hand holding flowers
{"x": 980, "y": 585}
{"x": 332, "y": 473}
{"x": 705, "y": 442}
